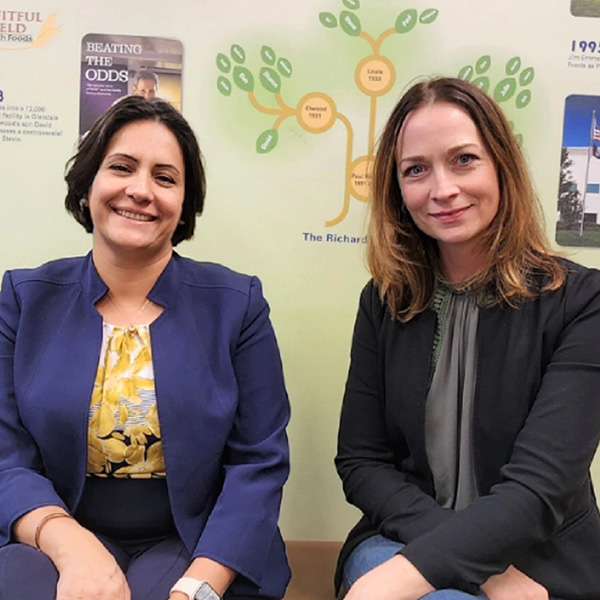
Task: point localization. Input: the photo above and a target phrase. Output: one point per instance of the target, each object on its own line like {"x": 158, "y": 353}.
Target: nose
{"x": 139, "y": 188}
{"x": 444, "y": 186}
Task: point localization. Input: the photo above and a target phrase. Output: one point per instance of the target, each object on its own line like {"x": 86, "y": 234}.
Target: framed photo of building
{"x": 578, "y": 208}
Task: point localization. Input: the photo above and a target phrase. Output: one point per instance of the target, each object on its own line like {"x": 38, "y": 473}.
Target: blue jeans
{"x": 376, "y": 550}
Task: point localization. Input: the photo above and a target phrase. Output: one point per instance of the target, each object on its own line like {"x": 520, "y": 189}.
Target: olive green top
{"x": 449, "y": 409}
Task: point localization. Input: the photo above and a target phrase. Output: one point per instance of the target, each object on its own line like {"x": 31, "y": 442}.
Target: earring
{"x": 181, "y": 222}
{"x": 83, "y": 203}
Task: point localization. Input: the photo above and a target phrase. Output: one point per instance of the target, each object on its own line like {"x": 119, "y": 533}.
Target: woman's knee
{"x": 26, "y": 574}
{"x": 369, "y": 554}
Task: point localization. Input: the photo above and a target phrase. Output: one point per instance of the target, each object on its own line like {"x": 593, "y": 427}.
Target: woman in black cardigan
{"x": 472, "y": 409}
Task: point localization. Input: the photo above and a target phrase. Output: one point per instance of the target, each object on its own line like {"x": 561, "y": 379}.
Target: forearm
{"x": 399, "y": 509}
{"x": 57, "y": 537}
{"x": 217, "y": 575}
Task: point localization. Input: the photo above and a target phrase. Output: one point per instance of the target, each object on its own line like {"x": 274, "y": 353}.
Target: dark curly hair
{"x": 82, "y": 168}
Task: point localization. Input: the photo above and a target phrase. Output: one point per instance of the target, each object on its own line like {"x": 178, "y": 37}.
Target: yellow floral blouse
{"x": 124, "y": 433}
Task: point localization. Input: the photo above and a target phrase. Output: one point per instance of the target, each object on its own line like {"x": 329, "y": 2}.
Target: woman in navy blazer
{"x": 183, "y": 506}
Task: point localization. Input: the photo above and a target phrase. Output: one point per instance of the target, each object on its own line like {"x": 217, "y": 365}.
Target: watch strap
{"x": 192, "y": 586}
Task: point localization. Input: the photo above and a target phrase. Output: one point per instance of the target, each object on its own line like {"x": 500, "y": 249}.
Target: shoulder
{"x": 371, "y": 305}
{"x": 578, "y": 298}
{"x": 579, "y": 277}
{"x": 64, "y": 271}
{"x": 582, "y": 285}
{"x": 213, "y": 277}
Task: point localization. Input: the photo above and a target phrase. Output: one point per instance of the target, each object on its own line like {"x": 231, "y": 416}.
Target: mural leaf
{"x": 328, "y": 20}
{"x": 243, "y": 78}
{"x": 483, "y": 64}
{"x": 505, "y": 89}
{"x": 429, "y": 16}
{"x": 523, "y": 98}
{"x": 224, "y": 85}
{"x": 352, "y": 4}
{"x": 270, "y": 80}
{"x": 284, "y": 66}
{"x": 266, "y": 141}
{"x": 238, "y": 54}
{"x": 223, "y": 63}
{"x": 482, "y": 83}
{"x": 268, "y": 55}
{"x": 466, "y": 73}
{"x": 406, "y": 20}
{"x": 513, "y": 65}
{"x": 526, "y": 76}
{"x": 350, "y": 23}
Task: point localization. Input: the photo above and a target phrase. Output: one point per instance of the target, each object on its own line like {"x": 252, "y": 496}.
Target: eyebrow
{"x": 450, "y": 151}
{"x": 135, "y": 160}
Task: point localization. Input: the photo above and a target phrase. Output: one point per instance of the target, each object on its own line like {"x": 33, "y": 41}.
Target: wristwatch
{"x": 196, "y": 589}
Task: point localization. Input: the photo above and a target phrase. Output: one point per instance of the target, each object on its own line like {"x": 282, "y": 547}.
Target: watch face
{"x": 205, "y": 592}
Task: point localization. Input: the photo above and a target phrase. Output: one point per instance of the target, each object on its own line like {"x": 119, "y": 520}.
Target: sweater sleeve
{"x": 368, "y": 467}
{"x": 549, "y": 464}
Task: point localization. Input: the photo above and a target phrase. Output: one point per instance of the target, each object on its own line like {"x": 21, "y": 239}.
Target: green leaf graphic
{"x": 270, "y": 80}
{"x": 483, "y": 64}
{"x": 268, "y": 55}
{"x": 466, "y": 73}
{"x": 284, "y": 66}
{"x": 350, "y": 23}
{"x": 429, "y": 16}
{"x": 526, "y": 76}
{"x": 224, "y": 85}
{"x": 243, "y": 79}
{"x": 513, "y": 65}
{"x": 266, "y": 141}
{"x": 238, "y": 54}
{"x": 523, "y": 98}
{"x": 482, "y": 83}
{"x": 223, "y": 63}
{"x": 328, "y": 19}
{"x": 505, "y": 89}
{"x": 352, "y": 4}
{"x": 406, "y": 20}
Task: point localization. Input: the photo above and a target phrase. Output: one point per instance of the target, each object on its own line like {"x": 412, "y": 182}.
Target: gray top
{"x": 449, "y": 409}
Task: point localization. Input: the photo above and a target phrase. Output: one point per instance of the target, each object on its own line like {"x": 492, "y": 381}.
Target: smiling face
{"x": 447, "y": 177}
{"x": 137, "y": 194}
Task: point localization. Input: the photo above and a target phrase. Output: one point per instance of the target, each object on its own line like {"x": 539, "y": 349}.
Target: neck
{"x": 129, "y": 280}
{"x": 460, "y": 263}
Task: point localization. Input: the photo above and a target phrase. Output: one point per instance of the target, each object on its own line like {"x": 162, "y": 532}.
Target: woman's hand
{"x": 514, "y": 584}
{"x": 395, "y": 579}
{"x": 85, "y": 567}
{"x": 90, "y": 571}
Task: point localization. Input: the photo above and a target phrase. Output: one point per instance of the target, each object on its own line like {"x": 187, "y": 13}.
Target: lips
{"x": 134, "y": 216}
{"x": 449, "y": 216}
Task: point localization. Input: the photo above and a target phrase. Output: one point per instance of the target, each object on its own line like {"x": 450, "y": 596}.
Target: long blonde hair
{"x": 403, "y": 260}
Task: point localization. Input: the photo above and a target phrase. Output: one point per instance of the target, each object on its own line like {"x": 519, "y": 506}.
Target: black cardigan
{"x": 536, "y": 429}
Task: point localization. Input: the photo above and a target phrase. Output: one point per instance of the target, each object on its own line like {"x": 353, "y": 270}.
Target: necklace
{"x": 138, "y": 312}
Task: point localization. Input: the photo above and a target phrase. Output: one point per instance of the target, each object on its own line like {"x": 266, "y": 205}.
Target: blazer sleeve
{"x": 23, "y": 487}
{"x": 243, "y": 523}
{"x": 549, "y": 464}
{"x": 365, "y": 461}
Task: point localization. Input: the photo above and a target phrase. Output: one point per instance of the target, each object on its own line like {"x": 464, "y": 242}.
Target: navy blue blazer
{"x": 221, "y": 399}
